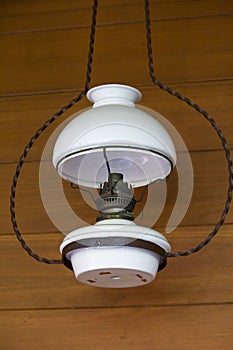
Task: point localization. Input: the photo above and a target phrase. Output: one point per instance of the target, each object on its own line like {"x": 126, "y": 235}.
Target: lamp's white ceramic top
{"x": 114, "y": 94}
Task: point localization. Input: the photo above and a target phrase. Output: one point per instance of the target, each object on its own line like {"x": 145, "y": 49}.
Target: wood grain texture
{"x": 44, "y": 15}
{"x": 44, "y": 46}
{"x": 189, "y": 327}
{"x": 21, "y": 116}
{"x": 202, "y": 278}
{"x": 45, "y": 61}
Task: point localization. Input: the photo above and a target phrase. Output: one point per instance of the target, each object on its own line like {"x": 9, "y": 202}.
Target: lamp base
{"x": 115, "y": 267}
{"x": 115, "y": 253}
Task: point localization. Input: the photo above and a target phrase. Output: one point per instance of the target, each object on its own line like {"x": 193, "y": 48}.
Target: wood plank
{"x": 181, "y": 328}
{"x": 189, "y": 306}
{"x": 44, "y": 15}
{"x": 201, "y": 278}
{"x": 30, "y": 62}
{"x": 21, "y": 116}
{"x": 210, "y": 187}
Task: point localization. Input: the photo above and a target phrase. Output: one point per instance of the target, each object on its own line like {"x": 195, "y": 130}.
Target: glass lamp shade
{"x": 114, "y": 131}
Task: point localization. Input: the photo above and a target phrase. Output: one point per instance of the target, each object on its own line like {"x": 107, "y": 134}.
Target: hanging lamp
{"x": 115, "y": 147}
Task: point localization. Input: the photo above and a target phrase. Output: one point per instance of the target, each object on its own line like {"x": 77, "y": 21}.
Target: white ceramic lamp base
{"x": 106, "y": 255}
{"x": 115, "y": 267}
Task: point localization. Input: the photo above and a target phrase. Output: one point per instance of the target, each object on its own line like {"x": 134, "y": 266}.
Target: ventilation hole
{"x": 139, "y": 276}
{"x": 105, "y": 273}
{"x": 91, "y": 281}
{"x": 144, "y": 280}
{"x": 115, "y": 277}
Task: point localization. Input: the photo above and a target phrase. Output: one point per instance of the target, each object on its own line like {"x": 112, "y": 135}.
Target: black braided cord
{"x": 213, "y": 124}
{"x": 79, "y": 97}
{"x": 39, "y": 132}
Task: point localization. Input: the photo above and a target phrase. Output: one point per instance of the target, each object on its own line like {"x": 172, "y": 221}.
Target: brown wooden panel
{"x": 180, "y": 328}
{"x": 56, "y": 60}
{"x": 210, "y": 189}
{"x": 43, "y": 58}
{"x": 204, "y": 277}
{"x": 21, "y": 116}
{"x": 42, "y": 15}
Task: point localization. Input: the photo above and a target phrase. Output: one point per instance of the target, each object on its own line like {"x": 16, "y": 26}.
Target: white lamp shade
{"x": 135, "y": 144}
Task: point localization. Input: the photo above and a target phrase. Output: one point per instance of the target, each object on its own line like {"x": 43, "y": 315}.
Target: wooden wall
{"x": 44, "y": 46}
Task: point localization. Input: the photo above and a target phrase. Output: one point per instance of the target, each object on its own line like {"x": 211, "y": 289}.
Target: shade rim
{"x": 140, "y": 183}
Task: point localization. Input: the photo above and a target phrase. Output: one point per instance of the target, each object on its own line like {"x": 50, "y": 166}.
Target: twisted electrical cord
{"x": 213, "y": 124}
{"x": 79, "y": 97}
{"x": 38, "y": 133}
